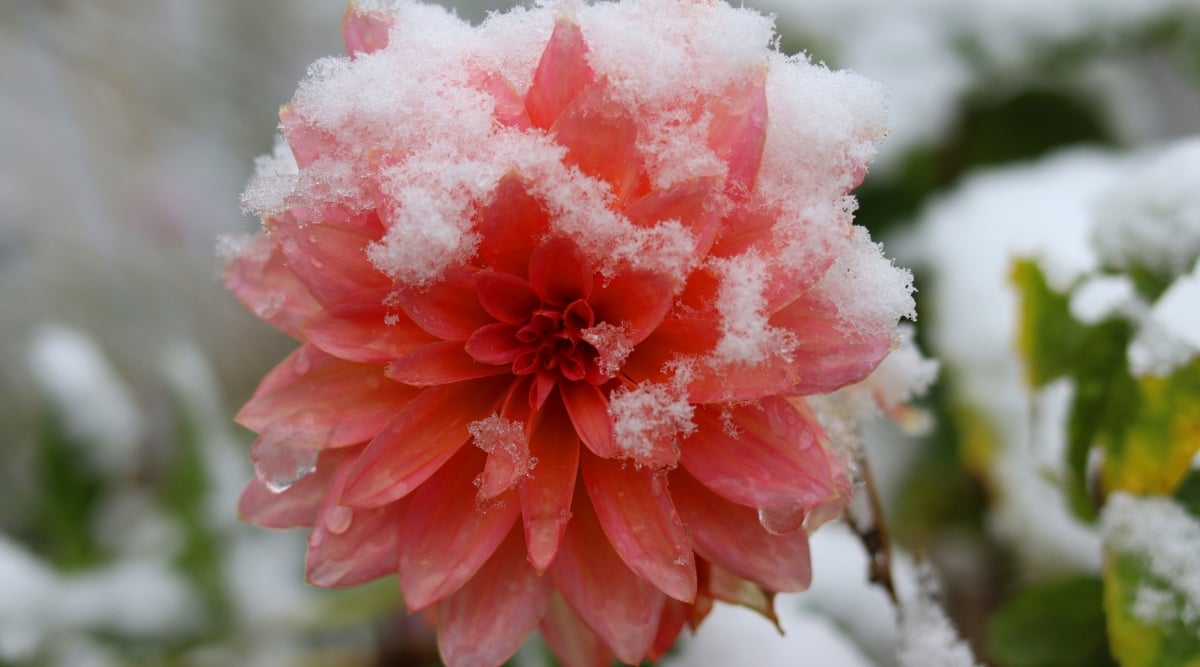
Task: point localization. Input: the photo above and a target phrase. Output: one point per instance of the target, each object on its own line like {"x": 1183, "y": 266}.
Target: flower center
{"x": 551, "y": 344}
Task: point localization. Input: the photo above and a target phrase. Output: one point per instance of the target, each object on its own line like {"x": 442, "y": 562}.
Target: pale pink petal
{"x": 366, "y": 331}
{"x": 572, "y": 641}
{"x": 561, "y": 74}
{"x": 437, "y": 363}
{"x": 601, "y": 140}
{"x": 773, "y": 458}
{"x": 506, "y": 297}
{"x": 449, "y": 309}
{"x": 692, "y": 203}
{"x": 348, "y": 547}
{"x": 317, "y": 400}
{"x": 487, "y": 620}
{"x": 298, "y": 504}
{"x": 306, "y": 142}
{"x": 731, "y": 536}
{"x": 419, "y": 439}
{"x": 546, "y": 494}
{"x": 559, "y": 273}
{"x": 738, "y": 132}
{"x": 634, "y": 507}
{"x": 446, "y": 536}
{"x": 328, "y": 252}
{"x": 364, "y": 30}
{"x": 616, "y": 604}
{"x": 510, "y": 108}
{"x": 511, "y": 225}
{"x": 588, "y": 409}
{"x": 260, "y": 278}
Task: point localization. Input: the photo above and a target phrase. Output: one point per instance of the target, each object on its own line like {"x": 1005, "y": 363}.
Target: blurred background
{"x": 128, "y": 130}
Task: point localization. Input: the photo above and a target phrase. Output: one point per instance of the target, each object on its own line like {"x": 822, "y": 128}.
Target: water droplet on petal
{"x": 280, "y": 465}
{"x": 301, "y": 364}
{"x": 337, "y": 519}
{"x": 781, "y": 520}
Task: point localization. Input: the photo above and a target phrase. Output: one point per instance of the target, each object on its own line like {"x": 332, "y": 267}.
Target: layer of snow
{"x": 1152, "y": 220}
{"x": 1165, "y": 538}
{"x": 95, "y": 404}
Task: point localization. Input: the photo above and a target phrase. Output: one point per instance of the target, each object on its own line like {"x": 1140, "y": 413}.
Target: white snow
{"x": 97, "y": 407}
{"x": 1165, "y": 538}
{"x": 1153, "y": 219}
{"x": 927, "y": 638}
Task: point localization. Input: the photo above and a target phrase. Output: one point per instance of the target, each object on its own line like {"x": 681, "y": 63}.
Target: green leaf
{"x": 1164, "y": 641}
{"x": 1059, "y": 624}
{"x": 1055, "y": 345}
{"x": 70, "y": 490}
{"x": 1187, "y": 493}
{"x": 1152, "y": 452}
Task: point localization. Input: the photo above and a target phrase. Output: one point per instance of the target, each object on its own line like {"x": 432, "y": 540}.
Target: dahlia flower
{"x": 562, "y": 282}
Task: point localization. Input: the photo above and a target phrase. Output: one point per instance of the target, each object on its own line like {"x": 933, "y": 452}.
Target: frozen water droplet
{"x": 301, "y": 364}
{"x": 781, "y": 520}
{"x": 337, "y": 519}
{"x": 312, "y": 238}
{"x": 280, "y": 465}
{"x": 316, "y": 263}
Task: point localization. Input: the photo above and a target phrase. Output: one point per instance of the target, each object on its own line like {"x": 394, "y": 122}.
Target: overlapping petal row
{"x": 530, "y": 425}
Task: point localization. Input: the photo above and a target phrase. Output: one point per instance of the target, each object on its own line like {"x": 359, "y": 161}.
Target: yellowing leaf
{"x": 1153, "y": 452}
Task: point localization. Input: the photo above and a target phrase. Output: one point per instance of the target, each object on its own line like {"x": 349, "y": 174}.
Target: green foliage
{"x": 1187, "y": 493}
{"x": 1163, "y": 641}
{"x": 1058, "y": 624}
{"x": 70, "y": 488}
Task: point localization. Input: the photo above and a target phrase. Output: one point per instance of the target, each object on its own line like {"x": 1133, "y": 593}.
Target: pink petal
{"x": 636, "y": 299}
{"x": 364, "y": 30}
{"x": 511, "y": 224}
{"x": 738, "y": 132}
{"x": 488, "y": 619}
{"x": 494, "y": 344}
{"x": 723, "y": 585}
{"x": 419, "y": 439}
{"x": 506, "y": 441}
{"x": 506, "y": 297}
{"x": 675, "y": 615}
{"x": 601, "y": 140}
{"x": 828, "y": 357}
{"x": 259, "y": 276}
{"x": 745, "y": 228}
{"x": 692, "y": 203}
{"x": 316, "y": 400}
{"x": 349, "y": 547}
{"x": 616, "y": 604}
{"x": 775, "y": 460}
{"x": 364, "y": 330}
{"x": 438, "y": 363}
{"x": 561, "y": 74}
{"x": 634, "y": 507}
{"x": 445, "y": 536}
{"x": 559, "y": 273}
{"x": 546, "y": 494}
{"x": 449, "y": 309}
{"x": 328, "y": 252}
{"x": 306, "y": 142}
{"x": 510, "y": 108}
{"x": 572, "y": 641}
{"x": 730, "y": 535}
{"x": 588, "y": 409}
{"x": 673, "y": 339}
{"x": 297, "y": 506}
